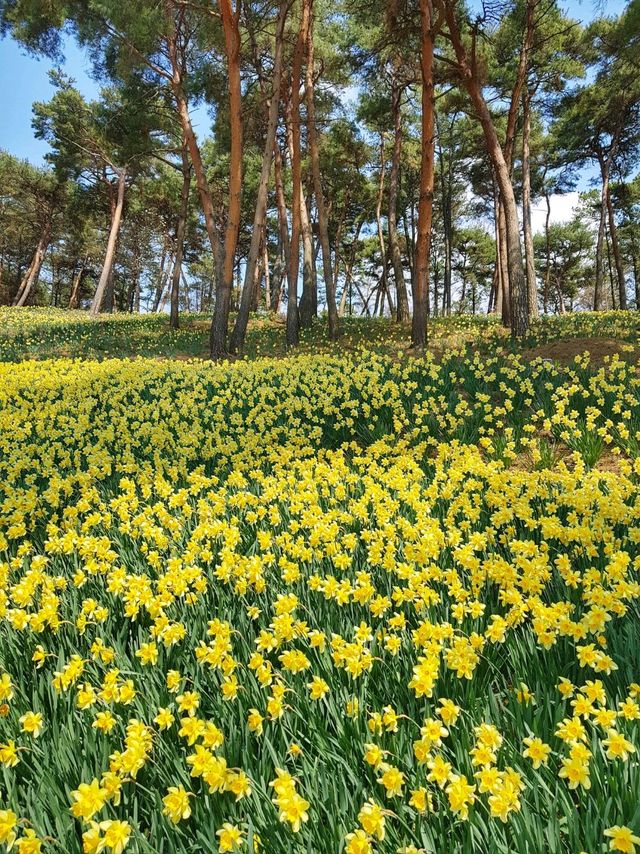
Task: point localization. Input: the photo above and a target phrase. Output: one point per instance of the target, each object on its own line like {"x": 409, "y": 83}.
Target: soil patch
{"x": 566, "y": 351}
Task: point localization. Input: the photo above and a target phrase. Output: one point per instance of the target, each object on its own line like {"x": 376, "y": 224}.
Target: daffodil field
{"x": 358, "y": 602}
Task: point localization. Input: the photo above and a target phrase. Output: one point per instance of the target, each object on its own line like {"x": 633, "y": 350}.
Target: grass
{"x": 40, "y": 333}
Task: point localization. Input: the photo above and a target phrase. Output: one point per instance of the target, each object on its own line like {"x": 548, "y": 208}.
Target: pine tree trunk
{"x": 445, "y": 188}
{"x": 74, "y": 298}
{"x": 33, "y": 272}
{"x": 427, "y": 174}
{"x": 383, "y": 251}
{"x": 220, "y": 321}
{"x": 308, "y": 305}
{"x": 532, "y": 286}
{"x": 267, "y": 275}
{"x": 162, "y": 278}
{"x": 202, "y": 184}
{"x": 260, "y": 216}
{"x": 403, "y": 314}
{"x": 517, "y": 284}
{"x": 281, "y": 204}
{"x": 309, "y": 298}
{"x": 323, "y": 225}
{"x": 495, "y": 296}
{"x": 349, "y": 268}
{"x": 107, "y": 267}
{"x": 505, "y": 302}
{"x": 547, "y": 240}
{"x": 178, "y": 61}
{"x": 617, "y": 257}
{"x": 599, "y": 283}
{"x": 180, "y": 234}
{"x": 293, "y": 316}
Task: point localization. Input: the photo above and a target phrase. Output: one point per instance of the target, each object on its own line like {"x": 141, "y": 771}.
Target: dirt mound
{"x": 566, "y": 351}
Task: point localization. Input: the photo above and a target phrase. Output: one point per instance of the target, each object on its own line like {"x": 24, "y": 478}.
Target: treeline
{"x": 377, "y": 157}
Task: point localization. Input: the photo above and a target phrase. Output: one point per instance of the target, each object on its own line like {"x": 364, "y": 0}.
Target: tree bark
{"x": 532, "y": 286}
{"x": 177, "y": 87}
{"x": 517, "y": 283}
{"x": 427, "y": 174}
{"x": 508, "y": 151}
{"x": 74, "y": 298}
{"x": 383, "y": 251}
{"x": 308, "y": 304}
{"x": 599, "y": 279}
{"x": 495, "y": 296}
{"x": 33, "y": 272}
{"x": 107, "y": 267}
{"x": 323, "y": 226}
{"x": 180, "y": 234}
{"x": 267, "y": 275}
{"x": 309, "y": 298}
{"x": 282, "y": 264}
{"x": 260, "y": 216}
{"x": 547, "y": 239}
{"x": 293, "y": 317}
{"x": 617, "y": 257}
{"x": 162, "y": 276}
{"x": 348, "y": 269}
{"x": 220, "y": 322}
{"x": 605, "y": 171}
{"x": 403, "y": 314}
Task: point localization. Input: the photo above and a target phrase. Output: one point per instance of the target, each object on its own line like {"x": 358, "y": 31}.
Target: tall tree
{"x": 259, "y": 220}
{"x": 470, "y": 74}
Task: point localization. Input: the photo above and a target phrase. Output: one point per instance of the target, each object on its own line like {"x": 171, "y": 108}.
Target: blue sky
{"x": 23, "y": 80}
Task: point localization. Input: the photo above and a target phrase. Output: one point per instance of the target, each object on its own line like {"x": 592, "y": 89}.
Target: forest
{"x": 376, "y": 158}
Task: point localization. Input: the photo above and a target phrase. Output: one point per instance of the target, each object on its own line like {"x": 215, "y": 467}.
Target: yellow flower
{"x": 352, "y": 707}
{"x": 8, "y": 823}
{"x": 622, "y": 839}
{"x": 88, "y": 799}
{"x": 524, "y": 695}
{"x": 255, "y": 721}
{"x": 460, "y": 794}
{"x": 358, "y": 843}
{"x": 618, "y": 747}
{"x": 371, "y": 818}
{"x": 176, "y": 804}
{"x": 92, "y": 842}
{"x": 536, "y": 750}
{"x": 32, "y": 722}
{"x": 229, "y": 837}
{"x": 6, "y": 688}
{"x": 393, "y": 780}
{"x": 373, "y": 755}
{"x": 421, "y": 800}
{"x": 29, "y": 843}
{"x": 104, "y": 721}
{"x": 504, "y": 798}
{"x": 164, "y": 719}
{"x": 576, "y": 771}
{"x": 293, "y": 809}
{"x": 188, "y": 702}
{"x": 39, "y": 656}
{"x": 317, "y": 688}
{"x": 439, "y": 771}
{"x": 116, "y": 835}
{"x": 174, "y": 679}
{"x": 448, "y": 711}
{"x": 9, "y": 754}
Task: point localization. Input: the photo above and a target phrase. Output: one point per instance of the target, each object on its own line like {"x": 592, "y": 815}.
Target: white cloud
{"x": 563, "y": 206}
